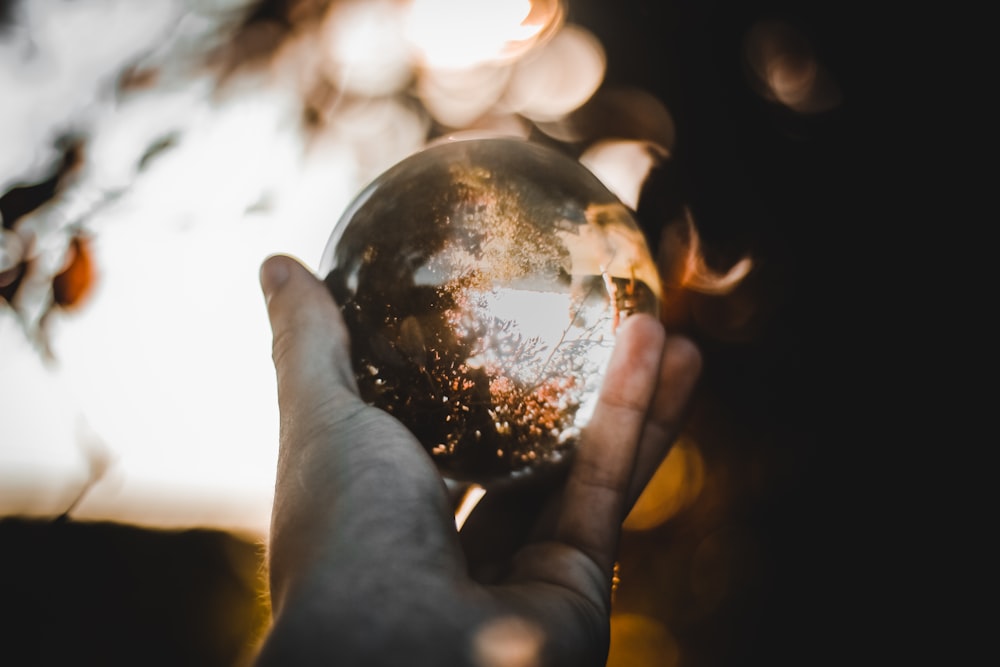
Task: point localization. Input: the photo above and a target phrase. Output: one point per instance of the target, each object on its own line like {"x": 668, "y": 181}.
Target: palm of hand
{"x": 363, "y": 540}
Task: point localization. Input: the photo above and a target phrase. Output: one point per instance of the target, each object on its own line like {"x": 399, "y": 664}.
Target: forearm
{"x": 366, "y": 621}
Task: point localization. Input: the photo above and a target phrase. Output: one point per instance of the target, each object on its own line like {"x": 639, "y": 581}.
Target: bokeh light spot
{"x": 784, "y": 68}
{"x": 455, "y": 34}
{"x": 623, "y": 166}
{"x": 641, "y": 641}
{"x": 364, "y": 47}
{"x": 558, "y": 77}
{"x": 508, "y": 642}
{"x": 677, "y": 482}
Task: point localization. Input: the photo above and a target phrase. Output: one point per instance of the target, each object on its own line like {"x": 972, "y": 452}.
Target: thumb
{"x": 314, "y": 379}
{"x": 309, "y": 338}
{"x": 350, "y": 479}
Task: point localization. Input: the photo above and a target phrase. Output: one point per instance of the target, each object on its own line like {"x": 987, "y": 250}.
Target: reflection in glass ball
{"x": 482, "y": 282}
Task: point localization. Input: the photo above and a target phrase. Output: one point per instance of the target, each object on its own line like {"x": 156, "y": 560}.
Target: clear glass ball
{"x": 482, "y": 282}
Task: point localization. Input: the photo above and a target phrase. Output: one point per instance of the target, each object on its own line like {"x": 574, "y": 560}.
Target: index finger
{"x": 596, "y": 489}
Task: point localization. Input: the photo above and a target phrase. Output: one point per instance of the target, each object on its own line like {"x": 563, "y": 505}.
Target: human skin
{"x": 366, "y": 566}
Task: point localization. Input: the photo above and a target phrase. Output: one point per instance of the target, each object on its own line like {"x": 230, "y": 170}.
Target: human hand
{"x": 366, "y": 566}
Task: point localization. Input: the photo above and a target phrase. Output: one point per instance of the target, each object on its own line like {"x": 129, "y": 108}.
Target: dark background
{"x": 775, "y": 416}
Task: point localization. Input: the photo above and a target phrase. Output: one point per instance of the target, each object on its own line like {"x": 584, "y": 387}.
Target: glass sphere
{"x": 482, "y": 282}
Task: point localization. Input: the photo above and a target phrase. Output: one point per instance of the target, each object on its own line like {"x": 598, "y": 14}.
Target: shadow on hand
{"x": 509, "y": 516}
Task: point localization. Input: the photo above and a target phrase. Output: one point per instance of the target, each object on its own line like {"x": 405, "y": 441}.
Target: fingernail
{"x": 273, "y": 274}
